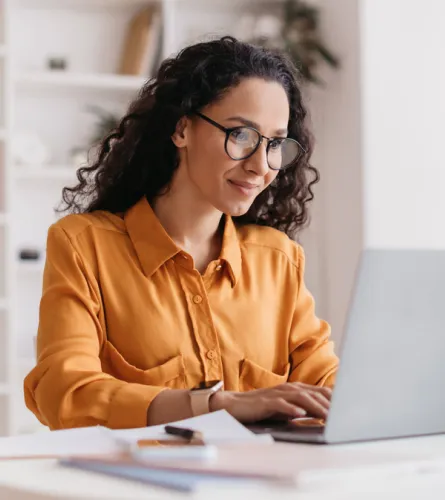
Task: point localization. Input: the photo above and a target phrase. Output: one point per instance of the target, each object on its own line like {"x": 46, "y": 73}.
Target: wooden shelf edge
{"x": 86, "y": 81}
{"x": 30, "y": 265}
{"x": 74, "y": 4}
{"x": 52, "y": 172}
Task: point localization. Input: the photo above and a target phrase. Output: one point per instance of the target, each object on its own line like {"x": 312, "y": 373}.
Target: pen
{"x": 188, "y": 434}
{"x": 187, "y": 437}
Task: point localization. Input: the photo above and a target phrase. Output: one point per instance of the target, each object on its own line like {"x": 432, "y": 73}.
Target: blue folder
{"x": 184, "y": 481}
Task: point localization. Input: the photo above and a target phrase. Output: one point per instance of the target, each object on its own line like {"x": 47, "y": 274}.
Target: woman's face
{"x": 228, "y": 185}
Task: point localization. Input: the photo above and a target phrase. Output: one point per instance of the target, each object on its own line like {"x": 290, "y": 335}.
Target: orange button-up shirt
{"x": 124, "y": 314}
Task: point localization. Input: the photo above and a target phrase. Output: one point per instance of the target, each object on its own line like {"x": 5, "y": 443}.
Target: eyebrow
{"x": 249, "y": 123}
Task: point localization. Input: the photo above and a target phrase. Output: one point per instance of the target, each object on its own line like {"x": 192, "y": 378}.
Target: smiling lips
{"x": 246, "y": 188}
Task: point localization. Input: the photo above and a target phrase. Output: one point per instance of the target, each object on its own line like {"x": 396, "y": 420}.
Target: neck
{"x": 191, "y": 223}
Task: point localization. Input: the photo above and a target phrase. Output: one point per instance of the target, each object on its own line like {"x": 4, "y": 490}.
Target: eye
{"x": 241, "y": 135}
{"x": 275, "y": 144}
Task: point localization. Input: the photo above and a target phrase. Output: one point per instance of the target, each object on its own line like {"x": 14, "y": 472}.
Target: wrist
{"x": 220, "y": 400}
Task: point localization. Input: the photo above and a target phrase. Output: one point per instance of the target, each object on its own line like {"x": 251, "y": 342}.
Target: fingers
{"x": 326, "y": 391}
{"x": 322, "y": 394}
{"x": 312, "y": 406}
{"x": 320, "y": 398}
{"x": 290, "y": 400}
{"x": 313, "y": 401}
{"x": 289, "y": 410}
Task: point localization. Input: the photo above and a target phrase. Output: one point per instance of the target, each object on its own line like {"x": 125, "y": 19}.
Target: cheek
{"x": 205, "y": 149}
{"x": 270, "y": 177}
{"x": 208, "y": 163}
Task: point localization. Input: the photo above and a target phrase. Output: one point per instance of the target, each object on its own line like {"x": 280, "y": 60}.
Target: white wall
{"x": 380, "y": 126}
{"x": 404, "y": 122}
{"x": 334, "y": 239}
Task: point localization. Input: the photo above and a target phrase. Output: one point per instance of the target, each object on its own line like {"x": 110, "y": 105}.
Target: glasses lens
{"x": 282, "y": 152}
{"x": 242, "y": 142}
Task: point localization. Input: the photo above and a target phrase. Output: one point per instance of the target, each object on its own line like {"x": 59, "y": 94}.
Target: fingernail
{"x": 300, "y": 413}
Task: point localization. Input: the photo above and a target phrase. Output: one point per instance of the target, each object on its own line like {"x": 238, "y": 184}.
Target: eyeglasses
{"x": 242, "y": 142}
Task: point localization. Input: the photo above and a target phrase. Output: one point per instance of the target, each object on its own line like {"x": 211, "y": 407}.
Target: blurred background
{"x": 374, "y": 75}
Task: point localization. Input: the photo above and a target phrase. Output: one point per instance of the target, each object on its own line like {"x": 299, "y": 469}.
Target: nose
{"x": 257, "y": 163}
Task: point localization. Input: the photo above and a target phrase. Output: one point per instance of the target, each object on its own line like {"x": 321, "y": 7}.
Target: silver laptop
{"x": 391, "y": 381}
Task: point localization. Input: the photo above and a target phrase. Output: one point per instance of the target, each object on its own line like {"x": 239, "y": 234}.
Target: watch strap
{"x": 200, "y": 403}
{"x": 200, "y": 398}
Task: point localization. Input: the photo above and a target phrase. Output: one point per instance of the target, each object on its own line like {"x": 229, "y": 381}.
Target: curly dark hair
{"x": 139, "y": 158}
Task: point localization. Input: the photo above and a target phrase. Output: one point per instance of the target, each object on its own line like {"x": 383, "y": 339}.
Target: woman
{"x": 176, "y": 268}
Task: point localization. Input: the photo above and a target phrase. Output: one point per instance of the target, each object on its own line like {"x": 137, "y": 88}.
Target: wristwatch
{"x": 201, "y": 394}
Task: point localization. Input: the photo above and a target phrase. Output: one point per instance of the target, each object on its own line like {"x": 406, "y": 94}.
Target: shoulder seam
{"x": 89, "y": 224}
{"x": 70, "y": 240}
{"x": 75, "y": 250}
{"x": 270, "y": 247}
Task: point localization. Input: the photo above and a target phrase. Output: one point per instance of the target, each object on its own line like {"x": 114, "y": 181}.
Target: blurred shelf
{"x": 25, "y": 363}
{"x": 238, "y": 3}
{"x": 81, "y": 81}
{"x": 74, "y": 4}
{"x": 47, "y": 173}
{"x": 5, "y": 389}
{"x": 31, "y": 266}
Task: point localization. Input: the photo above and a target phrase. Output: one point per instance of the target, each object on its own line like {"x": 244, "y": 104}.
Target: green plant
{"x": 106, "y": 122}
{"x": 302, "y": 40}
{"x": 298, "y": 34}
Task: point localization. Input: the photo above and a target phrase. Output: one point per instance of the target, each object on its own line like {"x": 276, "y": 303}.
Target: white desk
{"x": 45, "y": 479}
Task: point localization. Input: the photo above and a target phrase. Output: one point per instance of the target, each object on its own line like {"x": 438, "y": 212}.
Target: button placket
{"x": 184, "y": 261}
{"x": 203, "y": 329}
{"x": 208, "y": 337}
{"x": 213, "y": 275}
{"x": 211, "y": 354}
{"x": 197, "y": 299}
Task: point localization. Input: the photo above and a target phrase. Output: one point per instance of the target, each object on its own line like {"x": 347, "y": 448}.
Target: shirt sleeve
{"x": 68, "y": 388}
{"x": 313, "y": 360}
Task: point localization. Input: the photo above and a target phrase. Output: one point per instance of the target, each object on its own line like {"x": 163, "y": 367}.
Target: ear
{"x": 179, "y": 137}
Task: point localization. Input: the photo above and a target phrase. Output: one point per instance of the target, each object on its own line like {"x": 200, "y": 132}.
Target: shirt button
{"x": 197, "y": 299}
{"x": 211, "y": 354}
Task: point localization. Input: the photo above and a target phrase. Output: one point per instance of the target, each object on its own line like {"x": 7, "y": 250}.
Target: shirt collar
{"x": 230, "y": 251}
{"x": 154, "y": 247}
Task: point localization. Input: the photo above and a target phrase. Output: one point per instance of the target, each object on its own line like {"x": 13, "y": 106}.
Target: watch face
{"x": 205, "y": 385}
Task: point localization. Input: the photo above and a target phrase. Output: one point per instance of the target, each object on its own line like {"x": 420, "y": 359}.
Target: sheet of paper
{"x": 85, "y": 441}
{"x": 218, "y": 427}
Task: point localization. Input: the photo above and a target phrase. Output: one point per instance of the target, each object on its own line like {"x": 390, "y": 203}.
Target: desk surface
{"x": 402, "y": 476}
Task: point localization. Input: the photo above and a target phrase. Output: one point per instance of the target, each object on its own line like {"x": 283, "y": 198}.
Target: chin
{"x": 237, "y": 213}
{"x": 234, "y": 209}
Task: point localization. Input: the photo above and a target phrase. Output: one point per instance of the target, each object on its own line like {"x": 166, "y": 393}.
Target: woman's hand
{"x": 290, "y": 400}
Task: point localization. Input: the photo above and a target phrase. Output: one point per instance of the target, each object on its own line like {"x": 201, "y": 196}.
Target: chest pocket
{"x": 169, "y": 374}
{"x": 253, "y": 376}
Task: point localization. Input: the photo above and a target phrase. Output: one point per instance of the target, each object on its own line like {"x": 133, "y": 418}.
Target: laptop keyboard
{"x": 306, "y": 426}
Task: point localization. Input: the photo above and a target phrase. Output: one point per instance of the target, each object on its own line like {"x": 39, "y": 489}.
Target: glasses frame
{"x": 229, "y": 131}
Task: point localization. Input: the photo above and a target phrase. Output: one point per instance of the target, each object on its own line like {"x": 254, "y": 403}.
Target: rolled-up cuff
{"x": 129, "y": 406}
